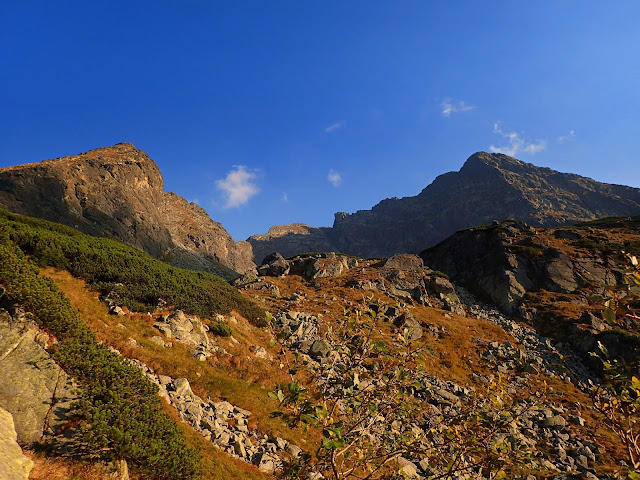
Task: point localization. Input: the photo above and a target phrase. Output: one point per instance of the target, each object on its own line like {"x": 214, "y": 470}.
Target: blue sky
{"x": 289, "y": 111}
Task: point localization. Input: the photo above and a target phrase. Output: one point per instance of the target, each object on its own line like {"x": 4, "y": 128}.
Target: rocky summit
{"x": 118, "y": 192}
{"x": 489, "y": 186}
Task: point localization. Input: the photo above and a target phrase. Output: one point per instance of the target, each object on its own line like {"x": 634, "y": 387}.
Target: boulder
{"x": 404, "y": 261}
{"x": 555, "y": 422}
{"x": 320, "y": 349}
{"x": 31, "y": 381}
{"x": 594, "y": 322}
{"x": 560, "y": 276}
{"x": 409, "y": 324}
{"x": 13, "y": 464}
{"x": 274, "y": 265}
{"x": 181, "y": 387}
{"x": 322, "y": 265}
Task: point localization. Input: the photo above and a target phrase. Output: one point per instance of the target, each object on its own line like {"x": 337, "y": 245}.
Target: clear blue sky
{"x": 273, "y": 112}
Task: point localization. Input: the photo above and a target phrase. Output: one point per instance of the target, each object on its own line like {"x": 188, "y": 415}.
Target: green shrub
{"x": 120, "y": 405}
{"x": 220, "y": 329}
{"x": 131, "y": 277}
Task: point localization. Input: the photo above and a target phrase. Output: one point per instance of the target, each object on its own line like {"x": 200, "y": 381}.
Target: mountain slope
{"x": 488, "y": 187}
{"x": 118, "y": 192}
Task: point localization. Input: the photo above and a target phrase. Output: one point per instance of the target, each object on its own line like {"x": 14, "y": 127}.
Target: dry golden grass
{"x": 55, "y": 468}
{"x": 245, "y": 381}
{"x": 241, "y": 379}
{"x": 454, "y": 355}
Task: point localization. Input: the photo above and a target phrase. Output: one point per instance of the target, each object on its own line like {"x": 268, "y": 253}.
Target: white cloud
{"x": 516, "y": 143}
{"x": 238, "y": 186}
{"x": 566, "y": 138}
{"x": 449, "y": 107}
{"x": 333, "y": 127}
{"x": 334, "y": 178}
{"x": 285, "y": 197}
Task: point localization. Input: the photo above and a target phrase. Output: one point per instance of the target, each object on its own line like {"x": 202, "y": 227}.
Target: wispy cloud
{"x": 334, "y": 126}
{"x": 516, "y": 144}
{"x": 238, "y": 186}
{"x": 334, "y": 178}
{"x": 565, "y": 138}
{"x": 449, "y": 106}
{"x": 285, "y": 197}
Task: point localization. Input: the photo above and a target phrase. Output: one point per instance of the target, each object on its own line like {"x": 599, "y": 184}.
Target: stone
{"x": 274, "y": 265}
{"x": 293, "y": 450}
{"x": 13, "y": 464}
{"x": 407, "y": 468}
{"x": 404, "y": 261}
{"x": 164, "y": 329}
{"x": 409, "y": 324}
{"x": 319, "y": 349}
{"x": 31, "y": 381}
{"x": 116, "y": 310}
{"x": 181, "y": 387}
{"x": 261, "y": 352}
{"x": 556, "y": 421}
{"x": 156, "y": 340}
{"x": 594, "y": 322}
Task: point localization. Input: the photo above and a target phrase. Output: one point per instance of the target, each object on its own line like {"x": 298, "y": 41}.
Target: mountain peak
{"x": 118, "y": 192}
{"x": 495, "y": 160}
{"x": 489, "y": 186}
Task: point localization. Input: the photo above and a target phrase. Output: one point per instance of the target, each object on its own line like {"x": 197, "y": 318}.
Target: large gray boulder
{"x": 33, "y": 388}
{"x": 13, "y": 464}
{"x": 274, "y": 265}
{"x": 322, "y": 265}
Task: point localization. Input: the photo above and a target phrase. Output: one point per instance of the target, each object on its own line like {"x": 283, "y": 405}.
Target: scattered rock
{"x": 13, "y": 464}
{"x": 274, "y": 265}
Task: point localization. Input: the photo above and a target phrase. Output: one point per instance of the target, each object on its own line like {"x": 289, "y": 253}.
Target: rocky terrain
{"x": 489, "y": 186}
{"x": 556, "y": 279}
{"x": 209, "y": 381}
{"x": 118, "y": 192}
{"x": 504, "y": 317}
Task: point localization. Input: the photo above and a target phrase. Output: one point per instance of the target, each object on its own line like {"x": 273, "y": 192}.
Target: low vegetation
{"x": 128, "y": 276}
{"x": 122, "y": 414}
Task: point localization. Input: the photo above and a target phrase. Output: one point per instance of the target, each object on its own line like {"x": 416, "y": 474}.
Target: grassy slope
{"x": 131, "y": 277}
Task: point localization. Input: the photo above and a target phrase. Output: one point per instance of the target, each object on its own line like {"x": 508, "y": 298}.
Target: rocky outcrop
{"x": 505, "y": 260}
{"x": 322, "y": 265}
{"x": 13, "y": 464}
{"x": 405, "y": 277}
{"x": 118, "y": 192}
{"x": 489, "y": 186}
{"x": 556, "y": 279}
{"x": 34, "y": 389}
{"x": 291, "y": 240}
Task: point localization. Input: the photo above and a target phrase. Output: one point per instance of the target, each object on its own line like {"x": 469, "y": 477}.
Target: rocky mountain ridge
{"x": 118, "y": 192}
{"x": 556, "y": 279}
{"x": 489, "y": 186}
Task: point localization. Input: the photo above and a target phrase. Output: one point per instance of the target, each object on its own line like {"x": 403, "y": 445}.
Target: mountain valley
{"x": 447, "y": 335}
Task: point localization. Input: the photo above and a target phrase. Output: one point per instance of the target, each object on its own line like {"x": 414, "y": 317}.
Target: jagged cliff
{"x": 290, "y": 240}
{"x": 118, "y": 192}
{"x": 488, "y": 187}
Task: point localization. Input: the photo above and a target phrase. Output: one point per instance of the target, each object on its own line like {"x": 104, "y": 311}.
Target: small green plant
{"x": 440, "y": 274}
{"x": 220, "y": 329}
{"x": 617, "y": 396}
